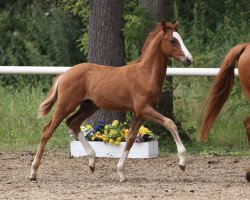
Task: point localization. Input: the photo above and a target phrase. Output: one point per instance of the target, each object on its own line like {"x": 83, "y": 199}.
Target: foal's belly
{"x": 113, "y": 104}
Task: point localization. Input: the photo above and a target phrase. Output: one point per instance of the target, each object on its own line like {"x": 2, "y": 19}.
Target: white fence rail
{"x": 59, "y": 70}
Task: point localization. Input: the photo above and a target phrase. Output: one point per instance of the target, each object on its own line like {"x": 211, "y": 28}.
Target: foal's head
{"x": 173, "y": 45}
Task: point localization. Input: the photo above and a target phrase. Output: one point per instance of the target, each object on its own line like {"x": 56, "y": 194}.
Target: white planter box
{"x": 139, "y": 150}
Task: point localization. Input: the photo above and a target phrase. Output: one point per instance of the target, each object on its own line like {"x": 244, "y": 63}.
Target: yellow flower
{"x": 83, "y": 128}
{"x": 89, "y": 127}
{"x": 116, "y": 143}
{"x": 126, "y": 133}
{"x": 119, "y": 139}
{"x": 99, "y": 136}
{"x": 106, "y": 127}
{"x": 111, "y": 141}
{"x": 143, "y": 130}
{"x": 112, "y": 132}
{"x": 115, "y": 123}
{"x": 104, "y": 138}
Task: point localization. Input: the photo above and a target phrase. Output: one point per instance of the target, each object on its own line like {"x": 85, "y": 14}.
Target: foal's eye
{"x": 172, "y": 41}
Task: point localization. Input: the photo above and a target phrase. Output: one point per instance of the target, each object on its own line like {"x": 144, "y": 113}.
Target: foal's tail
{"x": 48, "y": 103}
{"x": 220, "y": 90}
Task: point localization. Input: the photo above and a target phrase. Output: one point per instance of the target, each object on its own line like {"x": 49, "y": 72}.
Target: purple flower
{"x": 139, "y": 138}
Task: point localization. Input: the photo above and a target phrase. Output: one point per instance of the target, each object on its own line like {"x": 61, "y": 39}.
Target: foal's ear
{"x": 163, "y": 26}
{"x": 176, "y": 25}
{"x": 166, "y": 25}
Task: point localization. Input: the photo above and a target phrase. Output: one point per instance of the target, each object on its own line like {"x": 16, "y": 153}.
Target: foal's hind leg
{"x": 134, "y": 127}
{"x": 151, "y": 114}
{"x": 74, "y": 122}
{"x": 61, "y": 112}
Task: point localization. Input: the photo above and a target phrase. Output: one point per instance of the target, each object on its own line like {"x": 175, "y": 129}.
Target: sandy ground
{"x": 62, "y": 177}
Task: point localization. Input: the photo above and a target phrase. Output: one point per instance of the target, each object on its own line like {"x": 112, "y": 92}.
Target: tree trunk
{"x": 106, "y": 44}
{"x": 159, "y": 10}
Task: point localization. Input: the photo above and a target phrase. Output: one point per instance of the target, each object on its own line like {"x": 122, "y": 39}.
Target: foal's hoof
{"x": 32, "y": 178}
{"x": 92, "y": 168}
{"x": 123, "y": 180}
{"x": 182, "y": 167}
{"x": 248, "y": 176}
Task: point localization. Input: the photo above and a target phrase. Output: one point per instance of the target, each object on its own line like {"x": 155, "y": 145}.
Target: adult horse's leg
{"x": 247, "y": 126}
{"x": 134, "y": 127}
{"x": 248, "y": 175}
{"x": 151, "y": 114}
{"x": 61, "y": 112}
{"x": 74, "y": 122}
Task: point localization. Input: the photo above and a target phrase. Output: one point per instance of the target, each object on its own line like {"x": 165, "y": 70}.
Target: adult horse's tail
{"x": 48, "y": 103}
{"x": 220, "y": 90}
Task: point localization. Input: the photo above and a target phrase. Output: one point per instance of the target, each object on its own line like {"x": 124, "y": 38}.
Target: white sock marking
{"x": 181, "y": 153}
{"x": 121, "y": 165}
{"x": 89, "y": 150}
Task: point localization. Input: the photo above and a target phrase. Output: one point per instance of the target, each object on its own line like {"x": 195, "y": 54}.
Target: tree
{"x": 106, "y": 44}
{"x": 158, "y": 10}
{"x": 36, "y": 32}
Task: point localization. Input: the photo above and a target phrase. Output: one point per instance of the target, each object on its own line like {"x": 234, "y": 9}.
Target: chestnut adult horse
{"x": 135, "y": 87}
{"x": 223, "y": 86}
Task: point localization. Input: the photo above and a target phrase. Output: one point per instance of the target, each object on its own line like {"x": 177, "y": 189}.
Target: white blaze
{"x": 183, "y": 47}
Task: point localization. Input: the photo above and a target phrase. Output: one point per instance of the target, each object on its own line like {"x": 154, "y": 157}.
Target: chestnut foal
{"x": 136, "y": 87}
{"x": 223, "y": 86}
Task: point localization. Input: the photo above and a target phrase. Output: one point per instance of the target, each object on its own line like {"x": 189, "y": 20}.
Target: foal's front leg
{"x": 134, "y": 127}
{"x": 151, "y": 114}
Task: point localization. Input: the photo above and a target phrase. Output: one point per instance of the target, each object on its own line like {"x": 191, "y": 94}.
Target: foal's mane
{"x": 149, "y": 39}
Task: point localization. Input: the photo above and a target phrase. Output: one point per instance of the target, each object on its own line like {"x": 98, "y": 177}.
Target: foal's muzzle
{"x": 187, "y": 60}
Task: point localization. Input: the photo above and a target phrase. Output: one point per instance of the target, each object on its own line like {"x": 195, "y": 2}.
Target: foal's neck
{"x": 154, "y": 62}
